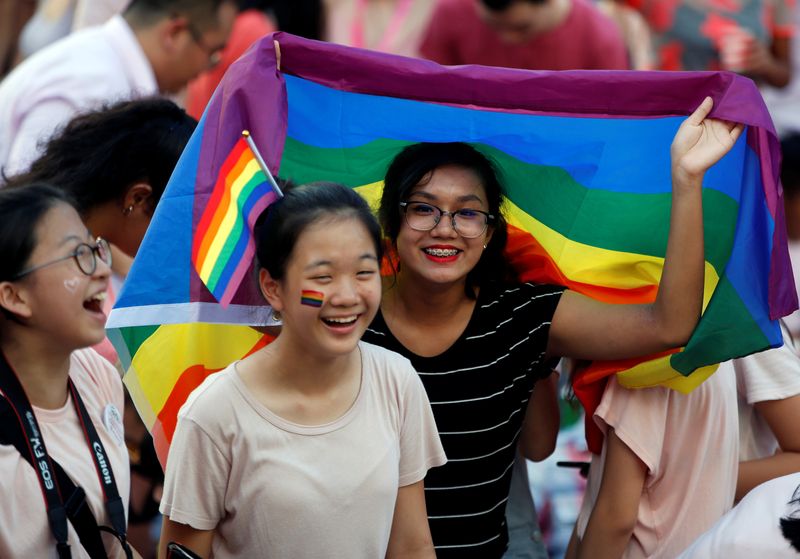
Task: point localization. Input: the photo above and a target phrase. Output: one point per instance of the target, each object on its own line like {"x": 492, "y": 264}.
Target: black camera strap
{"x": 21, "y": 429}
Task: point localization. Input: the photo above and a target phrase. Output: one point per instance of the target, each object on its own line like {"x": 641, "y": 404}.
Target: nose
{"x": 101, "y": 269}
{"x": 345, "y": 294}
{"x": 446, "y": 226}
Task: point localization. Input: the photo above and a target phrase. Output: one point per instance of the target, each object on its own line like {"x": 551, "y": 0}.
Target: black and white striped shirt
{"x": 478, "y": 389}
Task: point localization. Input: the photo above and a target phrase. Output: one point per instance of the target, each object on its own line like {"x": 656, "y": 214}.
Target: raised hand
{"x": 700, "y": 142}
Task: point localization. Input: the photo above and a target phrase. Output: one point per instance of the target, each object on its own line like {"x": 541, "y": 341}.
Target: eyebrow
{"x": 320, "y": 263}
{"x": 69, "y": 238}
{"x": 465, "y": 198}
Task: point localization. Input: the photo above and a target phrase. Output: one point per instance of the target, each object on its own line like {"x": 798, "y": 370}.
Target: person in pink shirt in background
{"x": 529, "y": 34}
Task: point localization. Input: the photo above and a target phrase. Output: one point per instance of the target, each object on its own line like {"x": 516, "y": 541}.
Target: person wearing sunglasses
{"x": 62, "y": 446}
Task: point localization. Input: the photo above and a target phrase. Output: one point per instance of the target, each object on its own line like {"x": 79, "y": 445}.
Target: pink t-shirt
{"x": 690, "y": 445}
{"x": 586, "y": 40}
{"x": 24, "y": 530}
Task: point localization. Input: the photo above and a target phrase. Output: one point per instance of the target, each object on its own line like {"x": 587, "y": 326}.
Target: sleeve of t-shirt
{"x": 196, "y": 478}
{"x": 437, "y": 44}
{"x": 104, "y": 375}
{"x": 638, "y": 418}
{"x": 420, "y": 447}
{"x": 770, "y": 375}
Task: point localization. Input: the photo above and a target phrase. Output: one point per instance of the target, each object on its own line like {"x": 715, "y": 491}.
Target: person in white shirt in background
{"x": 154, "y": 46}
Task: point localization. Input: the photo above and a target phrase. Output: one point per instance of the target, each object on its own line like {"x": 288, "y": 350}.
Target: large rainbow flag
{"x": 585, "y": 158}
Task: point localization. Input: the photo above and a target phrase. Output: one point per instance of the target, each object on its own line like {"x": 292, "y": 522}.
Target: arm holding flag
{"x": 588, "y": 329}
{"x": 699, "y": 143}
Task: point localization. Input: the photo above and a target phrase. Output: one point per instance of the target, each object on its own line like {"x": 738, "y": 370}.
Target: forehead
{"x": 336, "y": 239}
{"x": 57, "y": 224}
{"x": 450, "y": 182}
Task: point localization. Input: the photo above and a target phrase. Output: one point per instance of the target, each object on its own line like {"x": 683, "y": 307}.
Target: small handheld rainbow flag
{"x": 223, "y": 247}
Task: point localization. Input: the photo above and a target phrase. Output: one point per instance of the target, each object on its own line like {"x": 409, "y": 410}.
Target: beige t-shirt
{"x": 690, "y": 445}
{"x": 24, "y": 530}
{"x": 270, "y": 487}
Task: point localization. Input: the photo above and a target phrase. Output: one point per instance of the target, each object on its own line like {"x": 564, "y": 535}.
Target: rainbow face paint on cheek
{"x": 312, "y": 298}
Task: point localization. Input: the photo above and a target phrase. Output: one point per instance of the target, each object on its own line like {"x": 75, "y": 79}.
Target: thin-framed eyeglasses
{"x": 469, "y": 223}
{"x": 214, "y": 53}
{"x": 85, "y": 256}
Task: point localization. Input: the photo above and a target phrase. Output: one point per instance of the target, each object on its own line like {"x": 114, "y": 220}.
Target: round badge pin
{"x": 112, "y": 420}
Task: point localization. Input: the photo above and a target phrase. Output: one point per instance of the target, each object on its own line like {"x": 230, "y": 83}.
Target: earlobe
{"x": 139, "y": 196}
{"x": 270, "y": 289}
{"x": 488, "y": 239}
{"x": 13, "y": 300}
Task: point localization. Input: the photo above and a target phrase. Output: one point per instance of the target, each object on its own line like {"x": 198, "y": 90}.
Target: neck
{"x": 42, "y": 370}
{"x": 291, "y": 364}
{"x": 428, "y": 303}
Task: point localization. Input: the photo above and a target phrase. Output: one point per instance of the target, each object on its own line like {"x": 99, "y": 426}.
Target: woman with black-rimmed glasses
{"x": 480, "y": 341}
{"x": 65, "y": 475}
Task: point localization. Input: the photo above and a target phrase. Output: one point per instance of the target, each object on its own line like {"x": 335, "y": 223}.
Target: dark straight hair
{"x": 281, "y": 225}
{"x": 414, "y": 166}
{"x": 21, "y": 211}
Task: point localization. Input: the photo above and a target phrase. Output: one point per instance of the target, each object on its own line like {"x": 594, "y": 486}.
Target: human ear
{"x": 270, "y": 289}
{"x": 171, "y": 30}
{"x": 139, "y": 196}
{"x": 14, "y": 300}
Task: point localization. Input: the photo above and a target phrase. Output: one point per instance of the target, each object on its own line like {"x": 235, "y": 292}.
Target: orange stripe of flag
{"x": 232, "y": 167}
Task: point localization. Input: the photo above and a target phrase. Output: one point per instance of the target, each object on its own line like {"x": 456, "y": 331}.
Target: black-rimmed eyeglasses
{"x": 469, "y": 223}
{"x": 85, "y": 256}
